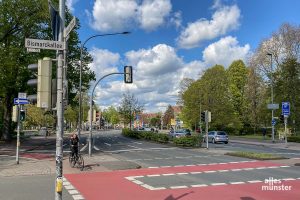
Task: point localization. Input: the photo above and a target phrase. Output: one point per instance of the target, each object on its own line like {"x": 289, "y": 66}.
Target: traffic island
{"x": 255, "y": 155}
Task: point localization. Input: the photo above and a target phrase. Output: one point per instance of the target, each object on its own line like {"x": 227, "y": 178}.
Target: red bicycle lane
{"x": 115, "y": 186}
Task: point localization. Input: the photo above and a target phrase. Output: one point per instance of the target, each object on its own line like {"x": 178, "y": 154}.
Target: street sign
{"x": 43, "y": 44}
{"x": 70, "y": 27}
{"x": 20, "y": 101}
{"x": 22, "y": 95}
{"x": 286, "y": 109}
{"x": 33, "y": 50}
{"x": 273, "y": 106}
{"x": 273, "y": 122}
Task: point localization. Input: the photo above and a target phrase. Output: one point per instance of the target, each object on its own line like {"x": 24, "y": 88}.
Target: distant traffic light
{"x": 128, "y": 74}
{"x": 203, "y": 116}
{"x": 22, "y": 115}
{"x": 281, "y": 118}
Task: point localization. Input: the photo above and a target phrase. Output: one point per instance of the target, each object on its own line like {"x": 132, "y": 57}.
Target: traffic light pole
{"x": 206, "y": 128}
{"x": 18, "y": 134}
{"x": 91, "y": 110}
{"x": 59, "y": 106}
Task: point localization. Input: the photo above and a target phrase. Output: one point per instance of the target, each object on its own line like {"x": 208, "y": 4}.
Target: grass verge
{"x": 255, "y": 155}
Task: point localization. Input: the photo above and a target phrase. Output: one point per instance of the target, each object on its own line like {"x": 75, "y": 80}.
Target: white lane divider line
{"x": 107, "y": 144}
{"x": 216, "y": 184}
{"x": 236, "y": 183}
{"x": 199, "y": 185}
{"x": 72, "y": 190}
{"x": 255, "y": 181}
{"x": 96, "y": 148}
{"x": 179, "y": 187}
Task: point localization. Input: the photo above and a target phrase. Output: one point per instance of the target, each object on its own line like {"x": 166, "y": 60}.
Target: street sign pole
{"x": 59, "y": 106}
{"x": 285, "y": 129}
{"x": 206, "y": 128}
{"x": 18, "y": 134}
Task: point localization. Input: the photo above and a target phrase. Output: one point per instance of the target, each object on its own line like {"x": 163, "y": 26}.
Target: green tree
{"x": 168, "y": 115}
{"x": 111, "y": 115}
{"x": 71, "y": 116}
{"x": 155, "y": 121}
{"x": 20, "y": 19}
{"x": 287, "y": 87}
{"x": 237, "y": 74}
{"x": 129, "y": 107}
{"x": 37, "y": 117}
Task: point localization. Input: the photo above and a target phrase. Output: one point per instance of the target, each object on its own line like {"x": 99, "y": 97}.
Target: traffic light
{"x": 43, "y": 83}
{"x": 128, "y": 74}
{"x": 281, "y": 118}
{"x": 203, "y": 116}
{"x": 22, "y": 115}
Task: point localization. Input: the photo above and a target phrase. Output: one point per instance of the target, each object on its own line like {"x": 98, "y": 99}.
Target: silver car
{"x": 217, "y": 136}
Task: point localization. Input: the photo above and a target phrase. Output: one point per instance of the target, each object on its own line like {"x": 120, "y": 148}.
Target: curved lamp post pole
{"x": 80, "y": 74}
{"x": 91, "y": 109}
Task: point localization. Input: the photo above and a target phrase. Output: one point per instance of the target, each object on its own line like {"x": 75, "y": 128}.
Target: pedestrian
{"x": 74, "y": 143}
{"x": 264, "y": 132}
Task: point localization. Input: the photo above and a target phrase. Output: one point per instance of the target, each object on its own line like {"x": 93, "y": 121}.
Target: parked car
{"x": 217, "y": 136}
{"x": 179, "y": 133}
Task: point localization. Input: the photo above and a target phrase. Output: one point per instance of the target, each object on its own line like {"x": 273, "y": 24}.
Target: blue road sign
{"x": 20, "y": 101}
{"x": 273, "y": 122}
{"x": 286, "y": 108}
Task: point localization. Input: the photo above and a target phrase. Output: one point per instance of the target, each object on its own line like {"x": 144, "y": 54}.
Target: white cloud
{"x": 157, "y": 71}
{"x": 152, "y": 13}
{"x": 224, "y": 52}
{"x": 225, "y": 19}
{"x": 104, "y": 62}
{"x": 70, "y": 4}
{"x": 119, "y": 15}
{"x": 159, "y": 60}
{"x": 177, "y": 19}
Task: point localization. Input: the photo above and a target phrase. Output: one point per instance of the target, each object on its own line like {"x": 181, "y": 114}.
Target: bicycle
{"x": 76, "y": 161}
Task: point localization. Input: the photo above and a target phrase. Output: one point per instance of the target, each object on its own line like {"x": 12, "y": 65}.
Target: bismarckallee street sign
{"x": 43, "y": 44}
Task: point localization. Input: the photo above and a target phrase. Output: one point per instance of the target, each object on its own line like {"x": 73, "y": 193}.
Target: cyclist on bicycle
{"x": 74, "y": 141}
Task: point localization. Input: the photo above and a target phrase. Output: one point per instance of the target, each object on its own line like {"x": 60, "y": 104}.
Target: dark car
{"x": 217, "y": 136}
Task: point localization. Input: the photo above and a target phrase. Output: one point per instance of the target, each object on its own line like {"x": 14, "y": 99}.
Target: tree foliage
{"x": 129, "y": 107}
{"x": 20, "y": 19}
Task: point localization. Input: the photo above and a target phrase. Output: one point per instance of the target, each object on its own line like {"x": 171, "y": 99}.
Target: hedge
{"x": 146, "y": 135}
{"x": 187, "y": 141}
{"x": 294, "y": 139}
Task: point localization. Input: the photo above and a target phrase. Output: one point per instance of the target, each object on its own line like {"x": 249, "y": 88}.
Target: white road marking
{"x": 235, "y": 183}
{"x": 183, "y": 173}
{"x": 288, "y": 179}
{"x": 165, "y": 166}
{"x": 153, "y": 175}
{"x": 96, "y": 148}
{"x": 200, "y": 185}
{"x": 178, "y": 166}
{"x": 236, "y": 170}
{"x": 285, "y": 166}
{"x": 137, "y": 142}
{"x": 138, "y": 182}
{"x": 77, "y": 197}
{"x": 107, "y": 144}
{"x": 69, "y": 187}
{"x": 153, "y": 167}
{"x": 255, "y": 181}
{"x": 190, "y": 165}
{"x": 178, "y": 187}
{"x": 84, "y": 147}
{"x": 73, "y": 191}
{"x": 209, "y": 171}
{"x": 133, "y": 146}
{"x": 168, "y": 174}
{"x": 196, "y": 172}
{"x": 224, "y": 170}
{"x": 215, "y": 184}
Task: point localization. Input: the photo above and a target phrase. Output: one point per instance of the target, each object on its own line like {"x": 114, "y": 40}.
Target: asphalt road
{"x": 29, "y": 188}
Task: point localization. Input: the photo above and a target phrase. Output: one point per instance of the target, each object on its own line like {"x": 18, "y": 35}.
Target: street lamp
{"x": 272, "y": 97}
{"x": 80, "y": 74}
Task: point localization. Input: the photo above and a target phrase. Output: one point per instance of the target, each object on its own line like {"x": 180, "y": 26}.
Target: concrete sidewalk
{"x": 268, "y": 143}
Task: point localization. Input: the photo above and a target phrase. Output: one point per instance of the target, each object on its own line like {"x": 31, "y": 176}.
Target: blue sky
{"x": 171, "y": 40}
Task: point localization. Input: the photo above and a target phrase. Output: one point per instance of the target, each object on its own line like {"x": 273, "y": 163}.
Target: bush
{"x": 187, "y": 141}
{"x": 294, "y": 139}
{"x": 146, "y": 135}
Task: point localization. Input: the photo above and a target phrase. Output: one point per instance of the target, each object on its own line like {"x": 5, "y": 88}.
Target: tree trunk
{"x": 7, "y": 118}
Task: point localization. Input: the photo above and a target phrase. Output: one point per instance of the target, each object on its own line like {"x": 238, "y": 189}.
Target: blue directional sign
{"x": 20, "y": 101}
{"x": 286, "y": 109}
{"x": 273, "y": 122}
